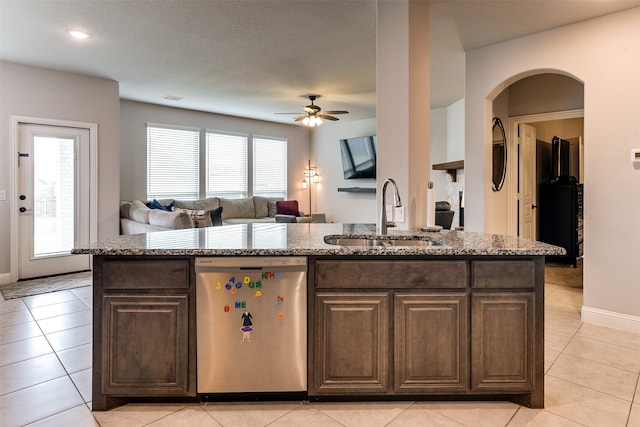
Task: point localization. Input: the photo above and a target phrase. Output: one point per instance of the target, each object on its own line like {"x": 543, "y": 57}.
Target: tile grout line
{"x": 59, "y": 360}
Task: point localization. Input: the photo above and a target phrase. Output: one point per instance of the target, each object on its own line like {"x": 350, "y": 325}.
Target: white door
{"x": 53, "y": 205}
{"x": 528, "y": 183}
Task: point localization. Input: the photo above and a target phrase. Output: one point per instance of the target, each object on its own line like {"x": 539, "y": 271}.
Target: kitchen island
{"x": 402, "y": 316}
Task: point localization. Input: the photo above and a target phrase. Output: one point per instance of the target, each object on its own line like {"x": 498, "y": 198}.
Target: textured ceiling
{"x": 253, "y": 58}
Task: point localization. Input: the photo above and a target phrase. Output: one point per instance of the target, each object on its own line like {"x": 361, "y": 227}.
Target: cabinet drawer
{"x": 503, "y": 274}
{"x": 390, "y": 274}
{"x": 146, "y": 274}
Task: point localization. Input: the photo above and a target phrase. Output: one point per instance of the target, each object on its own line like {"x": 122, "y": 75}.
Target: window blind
{"x": 172, "y": 163}
{"x": 269, "y": 167}
{"x": 226, "y": 165}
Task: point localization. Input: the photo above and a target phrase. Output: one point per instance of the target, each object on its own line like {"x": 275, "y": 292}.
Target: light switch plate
{"x": 3, "y": 195}
{"x": 389, "y": 212}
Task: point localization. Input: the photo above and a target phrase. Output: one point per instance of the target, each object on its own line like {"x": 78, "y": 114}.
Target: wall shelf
{"x": 357, "y": 189}
{"x": 450, "y": 167}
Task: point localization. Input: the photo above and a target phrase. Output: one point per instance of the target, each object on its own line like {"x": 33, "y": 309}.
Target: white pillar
{"x": 402, "y": 98}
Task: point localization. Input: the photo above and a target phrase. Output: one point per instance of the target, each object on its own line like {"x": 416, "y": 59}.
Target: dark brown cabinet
{"x": 355, "y": 349}
{"x": 144, "y": 329}
{"x": 145, "y": 348}
{"x": 416, "y": 327}
{"x": 430, "y": 342}
{"x": 501, "y": 342}
{"x": 352, "y": 343}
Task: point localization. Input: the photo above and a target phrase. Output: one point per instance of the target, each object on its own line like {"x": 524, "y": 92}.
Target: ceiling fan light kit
{"x": 313, "y": 115}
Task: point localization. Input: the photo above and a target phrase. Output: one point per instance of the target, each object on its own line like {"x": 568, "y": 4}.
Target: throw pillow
{"x": 201, "y": 218}
{"x": 170, "y": 220}
{"x": 272, "y": 210}
{"x": 139, "y": 212}
{"x": 287, "y": 207}
{"x": 157, "y": 205}
{"x": 216, "y": 216}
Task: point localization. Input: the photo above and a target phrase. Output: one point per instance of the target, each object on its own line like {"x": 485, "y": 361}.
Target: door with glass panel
{"x": 53, "y": 199}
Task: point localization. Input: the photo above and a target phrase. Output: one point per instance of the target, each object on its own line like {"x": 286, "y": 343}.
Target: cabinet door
{"x": 145, "y": 345}
{"x": 502, "y": 342}
{"x": 431, "y": 334}
{"x": 351, "y": 342}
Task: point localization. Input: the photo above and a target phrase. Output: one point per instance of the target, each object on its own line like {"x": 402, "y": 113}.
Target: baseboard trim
{"x": 611, "y": 319}
{"x": 5, "y": 278}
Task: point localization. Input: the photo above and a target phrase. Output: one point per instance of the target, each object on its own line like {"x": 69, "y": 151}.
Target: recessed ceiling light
{"x": 172, "y": 97}
{"x": 80, "y": 35}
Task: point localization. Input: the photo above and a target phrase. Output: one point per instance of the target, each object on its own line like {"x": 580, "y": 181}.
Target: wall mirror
{"x": 499, "y": 147}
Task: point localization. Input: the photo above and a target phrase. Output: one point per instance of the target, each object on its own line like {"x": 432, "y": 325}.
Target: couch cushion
{"x": 198, "y": 205}
{"x": 139, "y": 212}
{"x": 261, "y": 205}
{"x": 200, "y": 217}
{"x": 173, "y": 220}
{"x": 124, "y": 210}
{"x": 237, "y": 208}
{"x": 287, "y": 207}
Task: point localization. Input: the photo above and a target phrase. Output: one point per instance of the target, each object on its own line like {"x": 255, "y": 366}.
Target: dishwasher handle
{"x": 285, "y": 263}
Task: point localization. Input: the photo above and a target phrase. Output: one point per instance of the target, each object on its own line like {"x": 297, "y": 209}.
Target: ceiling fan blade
{"x": 297, "y": 119}
{"x": 323, "y": 117}
{"x": 335, "y": 112}
{"x": 286, "y": 113}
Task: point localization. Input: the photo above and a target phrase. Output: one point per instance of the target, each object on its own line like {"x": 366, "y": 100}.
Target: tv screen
{"x": 359, "y": 157}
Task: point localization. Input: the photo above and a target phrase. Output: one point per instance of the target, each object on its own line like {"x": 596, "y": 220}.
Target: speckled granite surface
{"x": 308, "y": 239}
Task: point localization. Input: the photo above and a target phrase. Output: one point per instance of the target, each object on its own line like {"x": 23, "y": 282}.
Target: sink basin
{"x": 412, "y": 242}
{"x": 375, "y": 242}
{"x": 354, "y": 242}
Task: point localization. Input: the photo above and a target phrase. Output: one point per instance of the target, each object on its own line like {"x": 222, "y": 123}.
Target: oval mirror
{"x": 499, "y": 147}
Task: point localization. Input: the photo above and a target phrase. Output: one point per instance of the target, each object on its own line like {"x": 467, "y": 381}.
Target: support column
{"x": 402, "y": 88}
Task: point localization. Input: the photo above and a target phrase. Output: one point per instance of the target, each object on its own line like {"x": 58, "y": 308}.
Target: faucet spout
{"x": 382, "y": 226}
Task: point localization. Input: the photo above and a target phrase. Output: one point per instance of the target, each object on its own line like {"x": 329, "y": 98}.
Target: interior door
{"x": 527, "y": 187}
{"x": 53, "y": 185}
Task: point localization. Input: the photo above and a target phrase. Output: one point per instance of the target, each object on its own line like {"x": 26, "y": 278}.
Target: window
{"x": 229, "y": 166}
{"x": 226, "y": 165}
{"x": 172, "y": 163}
{"x": 269, "y": 167}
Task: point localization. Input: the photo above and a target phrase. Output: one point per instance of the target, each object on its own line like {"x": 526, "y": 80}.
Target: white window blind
{"x": 172, "y": 163}
{"x": 226, "y": 165}
{"x": 269, "y": 167}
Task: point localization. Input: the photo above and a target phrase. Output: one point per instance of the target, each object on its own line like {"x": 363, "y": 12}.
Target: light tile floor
{"x": 592, "y": 376}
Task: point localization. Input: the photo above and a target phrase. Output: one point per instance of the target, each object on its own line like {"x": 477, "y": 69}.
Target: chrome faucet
{"x": 383, "y": 211}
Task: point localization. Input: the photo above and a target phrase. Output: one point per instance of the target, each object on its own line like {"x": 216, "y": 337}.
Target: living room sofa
{"x": 168, "y": 214}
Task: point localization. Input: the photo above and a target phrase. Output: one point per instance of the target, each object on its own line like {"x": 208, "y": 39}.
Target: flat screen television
{"x": 359, "y": 157}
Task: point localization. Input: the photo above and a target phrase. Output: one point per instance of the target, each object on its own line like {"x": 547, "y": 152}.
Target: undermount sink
{"x": 380, "y": 242}
{"x": 345, "y": 241}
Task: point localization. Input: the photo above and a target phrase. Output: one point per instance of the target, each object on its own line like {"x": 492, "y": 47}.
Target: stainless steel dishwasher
{"x": 252, "y": 324}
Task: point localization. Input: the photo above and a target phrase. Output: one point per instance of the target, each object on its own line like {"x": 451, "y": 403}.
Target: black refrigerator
{"x": 560, "y": 206}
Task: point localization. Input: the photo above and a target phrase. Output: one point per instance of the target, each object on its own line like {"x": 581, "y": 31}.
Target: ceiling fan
{"x": 313, "y": 114}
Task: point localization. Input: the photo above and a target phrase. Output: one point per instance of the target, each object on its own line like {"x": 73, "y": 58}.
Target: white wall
{"x": 134, "y": 117}
{"x": 37, "y": 92}
{"x": 603, "y": 53}
{"x": 325, "y": 154}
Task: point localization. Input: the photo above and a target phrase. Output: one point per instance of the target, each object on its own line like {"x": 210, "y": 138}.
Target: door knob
{"x": 23, "y": 197}
{"x": 23, "y": 209}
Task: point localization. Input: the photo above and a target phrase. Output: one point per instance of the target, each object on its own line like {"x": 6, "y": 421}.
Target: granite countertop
{"x": 308, "y": 239}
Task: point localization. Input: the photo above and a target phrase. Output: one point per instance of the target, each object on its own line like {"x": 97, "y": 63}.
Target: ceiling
{"x": 253, "y": 58}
